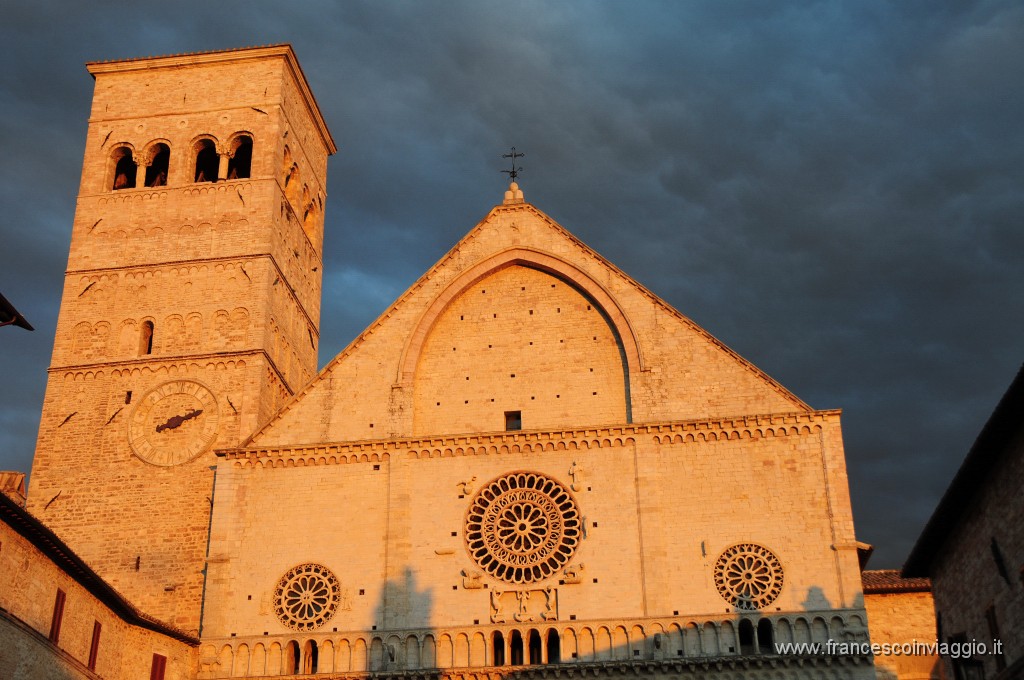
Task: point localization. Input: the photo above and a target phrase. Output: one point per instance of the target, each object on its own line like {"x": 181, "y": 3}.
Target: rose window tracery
{"x": 523, "y": 527}
{"x": 748, "y": 576}
{"x": 307, "y": 596}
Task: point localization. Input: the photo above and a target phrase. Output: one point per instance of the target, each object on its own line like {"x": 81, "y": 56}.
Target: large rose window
{"x": 748, "y": 576}
{"x": 523, "y": 527}
{"x": 307, "y": 596}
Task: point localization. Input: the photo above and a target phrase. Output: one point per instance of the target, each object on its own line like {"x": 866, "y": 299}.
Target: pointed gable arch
{"x": 534, "y": 259}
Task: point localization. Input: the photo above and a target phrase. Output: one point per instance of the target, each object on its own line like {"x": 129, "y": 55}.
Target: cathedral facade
{"x": 527, "y": 464}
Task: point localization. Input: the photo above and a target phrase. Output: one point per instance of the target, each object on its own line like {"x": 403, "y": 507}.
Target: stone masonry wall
{"x": 28, "y": 587}
{"x": 967, "y": 581}
{"x": 901, "y": 618}
{"x": 390, "y": 524}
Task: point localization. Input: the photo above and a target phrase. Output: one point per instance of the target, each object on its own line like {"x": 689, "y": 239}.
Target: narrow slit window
{"x": 513, "y": 420}
{"x": 94, "y": 648}
{"x": 58, "y": 616}
{"x": 146, "y": 338}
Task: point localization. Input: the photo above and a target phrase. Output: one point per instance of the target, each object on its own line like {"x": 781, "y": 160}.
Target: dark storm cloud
{"x": 832, "y": 189}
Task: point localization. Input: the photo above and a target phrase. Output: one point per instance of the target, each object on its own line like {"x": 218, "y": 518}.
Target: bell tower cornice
{"x": 188, "y": 59}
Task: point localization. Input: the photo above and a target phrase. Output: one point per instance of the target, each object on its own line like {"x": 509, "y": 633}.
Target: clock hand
{"x": 175, "y": 422}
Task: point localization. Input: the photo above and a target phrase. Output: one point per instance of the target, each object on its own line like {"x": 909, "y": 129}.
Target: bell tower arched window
{"x": 156, "y": 173}
{"x": 125, "y": 169}
{"x": 240, "y": 165}
{"x": 207, "y": 161}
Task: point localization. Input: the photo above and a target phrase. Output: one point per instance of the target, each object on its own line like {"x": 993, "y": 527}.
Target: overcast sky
{"x": 834, "y": 190}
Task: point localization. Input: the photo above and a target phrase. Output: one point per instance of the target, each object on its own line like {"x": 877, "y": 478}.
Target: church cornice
{"x": 498, "y": 443}
{"x": 282, "y": 50}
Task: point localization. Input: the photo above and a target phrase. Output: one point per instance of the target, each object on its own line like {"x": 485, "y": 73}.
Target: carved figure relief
{"x": 472, "y": 580}
{"x": 576, "y": 472}
{"x": 573, "y": 574}
{"x": 523, "y": 606}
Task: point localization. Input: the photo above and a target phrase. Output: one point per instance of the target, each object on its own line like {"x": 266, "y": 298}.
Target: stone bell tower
{"x": 190, "y": 311}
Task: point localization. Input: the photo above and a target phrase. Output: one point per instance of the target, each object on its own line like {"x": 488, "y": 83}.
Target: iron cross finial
{"x": 514, "y": 172}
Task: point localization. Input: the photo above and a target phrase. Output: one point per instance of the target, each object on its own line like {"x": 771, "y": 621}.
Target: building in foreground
{"x": 973, "y": 549}
{"x": 529, "y": 460}
{"x": 901, "y": 613}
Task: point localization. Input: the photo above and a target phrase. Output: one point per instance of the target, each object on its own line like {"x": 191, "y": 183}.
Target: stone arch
{"x": 326, "y": 660}
{"x": 274, "y": 659}
{"x": 727, "y": 639}
{"x": 478, "y": 650}
{"x": 586, "y": 644}
{"x": 709, "y": 638}
{"x": 534, "y": 259}
{"x": 428, "y": 653}
{"x": 205, "y": 161}
{"x": 819, "y": 630}
{"x": 241, "y": 667}
{"x": 343, "y": 657}
{"x": 226, "y": 659}
{"x": 123, "y": 168}
{"x": 637, "y": 642}
{"x": 445, "y": 651}
{"x": 783, "y": 631}
{"x": 412, "y": 653}
{"x": 157, "y": 160}
{"x": 569, "y": 650}
{"x": 460, "y": 658}
{"x": 173, "y": 334}
{"x": 240, "y": 155}
{"x": 602, "y": 644}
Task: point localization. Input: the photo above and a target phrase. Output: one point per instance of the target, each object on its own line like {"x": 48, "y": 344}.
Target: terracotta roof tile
{"x": 889, "y": 581}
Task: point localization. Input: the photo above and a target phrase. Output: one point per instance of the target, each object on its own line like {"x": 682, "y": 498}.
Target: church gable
{"x": 522, "y": 321}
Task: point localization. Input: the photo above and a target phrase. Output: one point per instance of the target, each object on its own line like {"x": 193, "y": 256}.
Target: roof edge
{"x": 963, "y": 489}
{"x": 57, "y": 551}
{"x": 890, "y": 582}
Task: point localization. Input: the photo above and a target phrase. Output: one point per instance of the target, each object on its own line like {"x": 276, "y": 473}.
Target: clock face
{"x": 174, "y": 423}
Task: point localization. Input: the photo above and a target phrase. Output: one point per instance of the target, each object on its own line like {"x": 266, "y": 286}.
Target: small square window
{"x": 513, "y": 420}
